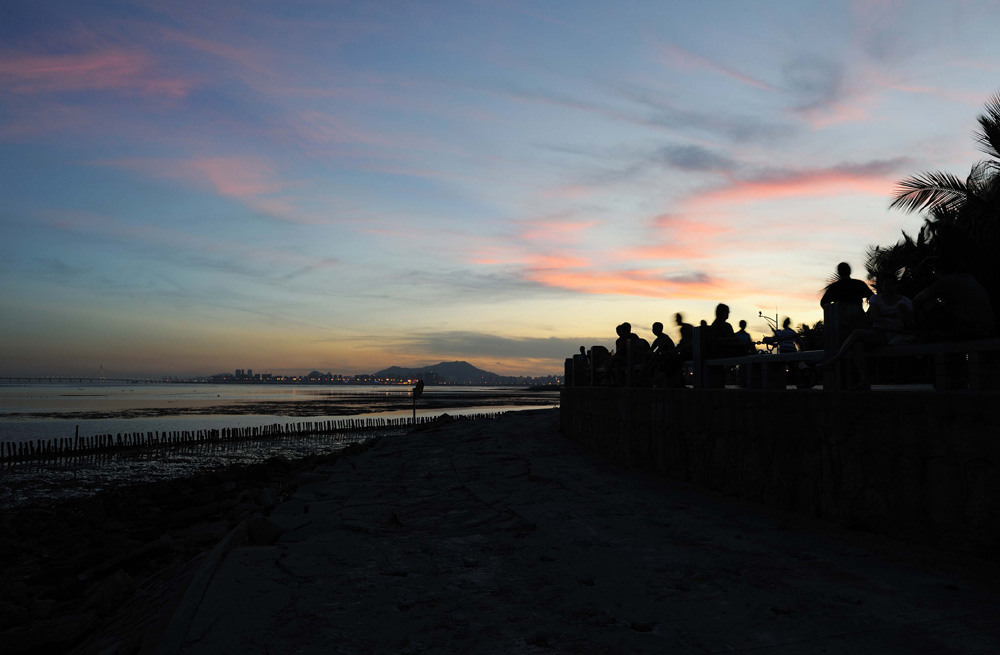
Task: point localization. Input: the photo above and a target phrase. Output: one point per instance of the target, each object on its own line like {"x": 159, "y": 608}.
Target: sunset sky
{"x": 193, "y": 187}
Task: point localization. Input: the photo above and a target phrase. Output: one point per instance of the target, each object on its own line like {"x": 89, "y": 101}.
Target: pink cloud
{"x": 875, "y": 179}
{"x": 558, "y": 261}
{"x": 833, "y": 113}
{"x": 662, "y": 251}
{"x": 951, "y": 95}
{"x": 680, "y": 227}
{"x": 625, "y": 283}
{"x": 110, "y": 69}
{"x": 684, "y": 239}
{"x": 553, "y": 232}
{"x": 238, "y": 177}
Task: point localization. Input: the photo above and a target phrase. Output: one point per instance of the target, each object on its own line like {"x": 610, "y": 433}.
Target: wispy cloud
{"x": 251, "y": 180}
{"x": 678, "y": 58}
{"x": 230, "y": 255}
{"x": 553, "y": 232}
{"x": 108, "y": 69}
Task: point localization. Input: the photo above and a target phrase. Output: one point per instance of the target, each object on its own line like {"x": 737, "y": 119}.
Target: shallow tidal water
{"x": 30, "y": 412}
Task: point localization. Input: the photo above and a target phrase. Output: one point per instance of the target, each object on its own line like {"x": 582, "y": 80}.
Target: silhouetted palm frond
{"x": 930, "y": 191}
{"x": 988, "y": 136}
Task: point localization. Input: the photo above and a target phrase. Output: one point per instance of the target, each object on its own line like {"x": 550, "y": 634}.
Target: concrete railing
{"x": 918, "y": 465}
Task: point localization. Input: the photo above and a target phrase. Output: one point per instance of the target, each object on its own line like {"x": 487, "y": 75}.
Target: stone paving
{"x": 505, "y": 537}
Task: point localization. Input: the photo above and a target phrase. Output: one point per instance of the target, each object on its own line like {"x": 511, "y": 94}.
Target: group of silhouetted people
{"x": 954, "y": 306}
{"x": 636, "y": 362}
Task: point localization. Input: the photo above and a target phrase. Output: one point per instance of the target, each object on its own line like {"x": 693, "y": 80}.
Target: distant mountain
{"x": 448, "y": 372}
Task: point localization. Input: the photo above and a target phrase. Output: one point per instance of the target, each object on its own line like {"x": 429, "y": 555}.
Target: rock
{"x": 263, "y": 533}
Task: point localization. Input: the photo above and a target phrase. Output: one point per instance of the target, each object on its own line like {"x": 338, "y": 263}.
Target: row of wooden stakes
{"x": 44, "y": 449}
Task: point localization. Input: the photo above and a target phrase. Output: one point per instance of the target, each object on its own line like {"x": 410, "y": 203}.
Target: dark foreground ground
{"x": 486, "y": 537}
{"x": 502, "y": 536}
{"x": 104, "y": 573}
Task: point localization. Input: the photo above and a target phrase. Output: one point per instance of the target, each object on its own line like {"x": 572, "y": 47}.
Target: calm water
{"x": 52, "y": 411}
{"x": 42, "y": 411}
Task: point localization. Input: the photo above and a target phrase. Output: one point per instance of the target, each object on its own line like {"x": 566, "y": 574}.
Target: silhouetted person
{"x": 722, "y": 340}
{"x": 687, "y": 333}
{"x": 663, "y": 365}
{"x": 744, "y": 339}
{"x": 845, "y": 289}
{"x": 954, "y": 304}
{"x": 600, "y": 360}
{"x": 619, "y": 361}
{"x": 662, "y": 343}
{"x": 581, "y": 368}
{"x": 786, "y": 339}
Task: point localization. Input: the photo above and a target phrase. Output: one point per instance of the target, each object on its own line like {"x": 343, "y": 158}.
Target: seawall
{"x": 921, "y": 466}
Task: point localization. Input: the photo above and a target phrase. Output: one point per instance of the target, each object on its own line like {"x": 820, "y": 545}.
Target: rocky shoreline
{"x": 99, "y": 574}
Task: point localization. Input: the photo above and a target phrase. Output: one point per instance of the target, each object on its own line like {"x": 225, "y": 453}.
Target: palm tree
{"x": 936, "y": 190}
{"x": 962, "y": 218}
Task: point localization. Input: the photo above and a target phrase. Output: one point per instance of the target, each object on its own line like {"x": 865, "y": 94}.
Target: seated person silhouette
{"x": 663, "y": 366}
{"x": 786, "y": 339}
{"x": 745, "y": 340}
{"x": 891, "y": 316}
{"x": 600, "y": 360}
{"x": 722, "y": 341}
{"x": 630, "y": 350}
{"x": 955, "y": 306}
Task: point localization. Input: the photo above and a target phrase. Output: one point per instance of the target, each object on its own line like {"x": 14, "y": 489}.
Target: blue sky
{"x": 348, "y": 185}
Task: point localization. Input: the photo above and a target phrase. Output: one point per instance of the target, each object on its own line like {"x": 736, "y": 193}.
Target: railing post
{"x": 839, "y": 320}
{"x": 698, "y": 344}
{"x": 628, "y": 363}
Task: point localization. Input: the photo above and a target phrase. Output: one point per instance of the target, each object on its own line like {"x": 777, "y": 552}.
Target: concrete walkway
{"x": 504, "y": 537}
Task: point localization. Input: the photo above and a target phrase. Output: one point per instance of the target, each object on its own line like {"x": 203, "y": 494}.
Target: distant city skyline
{"x": 356, "y": 185}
